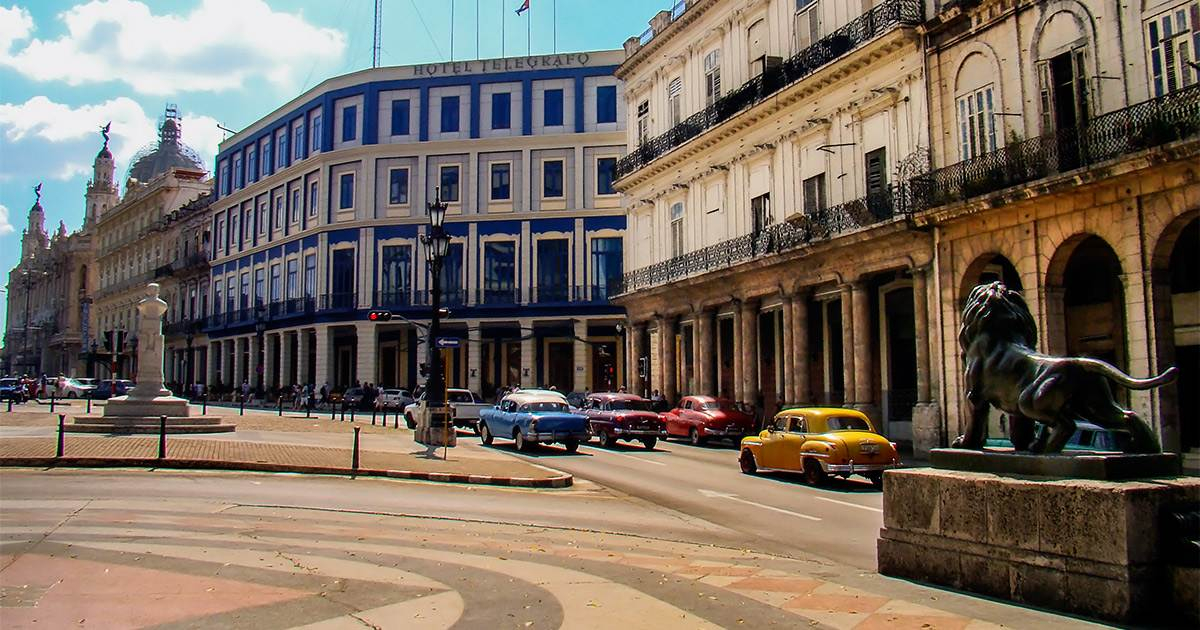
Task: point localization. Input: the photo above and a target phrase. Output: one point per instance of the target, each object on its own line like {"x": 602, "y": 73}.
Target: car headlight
{"x": 533, "y": 425}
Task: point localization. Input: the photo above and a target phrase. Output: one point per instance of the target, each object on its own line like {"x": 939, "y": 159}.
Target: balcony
{"x": 184, "y": 326}
{"x": 1148, "y": 124}
{"x": 557, "y": 295}
{"x": 817, "y": 225}
{"x": 191, "y": 261}
{"x": 863, "y": 29}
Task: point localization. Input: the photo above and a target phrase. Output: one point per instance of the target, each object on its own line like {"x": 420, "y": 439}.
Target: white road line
{"x": 644, "y": 461}
{"x": 734, "y": 497}
{"x": 853, "y": 505}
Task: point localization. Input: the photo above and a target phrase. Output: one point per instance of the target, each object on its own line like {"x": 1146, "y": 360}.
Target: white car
{"x": 466, "y": 405}
{"x": 73, "y": 388}
{"x": 394, "y": 399}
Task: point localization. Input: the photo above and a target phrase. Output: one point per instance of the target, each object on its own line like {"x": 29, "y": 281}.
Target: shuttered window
{"x": 675, "y": 100}
{"x": 712, "y": 77}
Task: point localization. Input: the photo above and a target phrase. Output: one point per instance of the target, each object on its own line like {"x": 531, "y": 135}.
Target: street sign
{"x": 447, "y": 342}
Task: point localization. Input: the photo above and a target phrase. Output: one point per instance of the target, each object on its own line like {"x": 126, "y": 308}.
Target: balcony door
{"x": 342, "y": 279}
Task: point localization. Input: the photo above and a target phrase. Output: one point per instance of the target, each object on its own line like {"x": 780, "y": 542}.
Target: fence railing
{"x": 866, "y": 27}
{"x": 509, "y": 296}
{"x": 1171, "y": 117}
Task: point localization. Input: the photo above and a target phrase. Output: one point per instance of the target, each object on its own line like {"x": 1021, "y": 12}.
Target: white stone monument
{"x": 141, "y": 409}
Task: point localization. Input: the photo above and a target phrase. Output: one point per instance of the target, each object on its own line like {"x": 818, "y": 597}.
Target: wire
{"x": 426, "y": 27}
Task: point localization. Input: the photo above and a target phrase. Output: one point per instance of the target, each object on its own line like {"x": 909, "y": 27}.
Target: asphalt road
{"x": 776, "y": 513}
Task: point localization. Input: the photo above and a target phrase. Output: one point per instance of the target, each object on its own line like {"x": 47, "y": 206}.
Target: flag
{"x": 524, "y": 7}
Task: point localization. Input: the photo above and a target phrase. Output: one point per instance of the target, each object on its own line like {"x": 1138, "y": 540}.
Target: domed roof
{"x": 154, "y": 160}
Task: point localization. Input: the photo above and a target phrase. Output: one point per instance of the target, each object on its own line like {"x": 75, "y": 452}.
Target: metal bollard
{"x": 397, "y": 421}
{"x": 281, "y": 406}
{"x": 89, "y": 402}
{"x": 332, "y": 411}
{"x": 61, "y": 419}
{"x": 204, "y": 405}
{"x": 9, "y": 405}
{"x": 51, "y": 402}
{"x": 372, "y": 416}
{"x": 162, "y": 437}
{"x": 352, "y": 408}
{"x": 308, "y": 408}
{"x": 354, "y": 459}
{"x": 242, "y": 409}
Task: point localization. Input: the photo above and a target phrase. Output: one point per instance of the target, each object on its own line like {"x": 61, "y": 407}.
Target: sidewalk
{"x": 268, "y": 443}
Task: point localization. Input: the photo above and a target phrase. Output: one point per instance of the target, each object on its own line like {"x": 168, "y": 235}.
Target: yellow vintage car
{"x": 819, "y": 442}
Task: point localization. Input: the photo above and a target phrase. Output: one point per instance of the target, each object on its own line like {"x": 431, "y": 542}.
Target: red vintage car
{"x": 700, "y": 418}
{"x": 614, "y": 417}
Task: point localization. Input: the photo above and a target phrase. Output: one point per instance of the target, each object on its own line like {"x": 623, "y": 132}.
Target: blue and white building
{"x": 320, "y": 207}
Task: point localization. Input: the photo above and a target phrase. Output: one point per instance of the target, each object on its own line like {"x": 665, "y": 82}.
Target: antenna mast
{"x": 378, "y": 41}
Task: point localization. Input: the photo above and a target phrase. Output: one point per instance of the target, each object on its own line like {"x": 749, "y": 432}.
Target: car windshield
{"x": 353, "y": 391}
{"x": 393, "y": 392}
{"x": 631, "y": 405}
{"x": 544, "y": 406}
{"x": 8, "y": 382}
{"x": 847, "y": 423}
{"x": 459, "y": 397}
{"x": 723, "y": 405}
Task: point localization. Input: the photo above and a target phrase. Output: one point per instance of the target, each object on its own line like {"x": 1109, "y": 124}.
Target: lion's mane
{"x": 999, "y": 311}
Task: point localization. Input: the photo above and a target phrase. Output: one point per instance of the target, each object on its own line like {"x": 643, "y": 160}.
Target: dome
{"x": 156, "y": 159}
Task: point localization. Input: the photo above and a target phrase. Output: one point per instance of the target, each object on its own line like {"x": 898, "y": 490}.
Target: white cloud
{"x": 60, "y": 142}
{"x": 6, "y": 226}
{"x": 220, "y": 45}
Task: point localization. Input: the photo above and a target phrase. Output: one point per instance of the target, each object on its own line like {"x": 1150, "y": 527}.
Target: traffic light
{"x": 379, "y": 316}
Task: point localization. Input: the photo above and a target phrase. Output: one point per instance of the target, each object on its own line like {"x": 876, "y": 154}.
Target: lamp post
{"x": 437, "y": 243}
{"x": 260, "y": 329}
{"x": 188, "y": 378}
{"x": 92, "y": 360}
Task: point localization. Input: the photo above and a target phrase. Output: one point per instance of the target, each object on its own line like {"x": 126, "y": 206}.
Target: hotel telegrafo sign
{"x": 508, "y": 64}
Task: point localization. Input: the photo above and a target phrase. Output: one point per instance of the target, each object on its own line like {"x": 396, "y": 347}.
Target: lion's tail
{"x": 1117, "y": 376}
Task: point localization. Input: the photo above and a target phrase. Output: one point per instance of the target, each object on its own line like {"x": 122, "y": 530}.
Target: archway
{"x": 1093, "y": 300}
{"x": 1176, "y": 312}
{"x": 990, "y": 267}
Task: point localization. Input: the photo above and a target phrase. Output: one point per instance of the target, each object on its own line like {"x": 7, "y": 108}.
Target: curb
{"x": 562, "y": 481}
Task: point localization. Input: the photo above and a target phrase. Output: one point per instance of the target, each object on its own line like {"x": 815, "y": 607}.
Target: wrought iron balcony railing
{"x": 866, "y": 27}
{"x": 817, "y": 225}
{"x": 1171, "y": 117}
{"x": 198, "y": 259}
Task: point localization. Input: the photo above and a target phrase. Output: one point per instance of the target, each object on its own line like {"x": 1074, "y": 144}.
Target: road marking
{"x": 849, "y": 504}
{"x": 734, "y": 497}
{"x": 644, "y": 461}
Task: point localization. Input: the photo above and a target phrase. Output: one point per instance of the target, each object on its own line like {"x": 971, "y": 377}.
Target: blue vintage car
{"x": 534, "y": 417}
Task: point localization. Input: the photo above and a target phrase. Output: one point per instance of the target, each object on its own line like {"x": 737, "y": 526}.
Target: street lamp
{"x": 92, "y": 360}
{"x": 260, "y": 329}
{"x": 438, "y": 244}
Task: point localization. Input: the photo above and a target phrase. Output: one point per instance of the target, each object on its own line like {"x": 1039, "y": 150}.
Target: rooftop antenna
{"x": 376, "y": 45}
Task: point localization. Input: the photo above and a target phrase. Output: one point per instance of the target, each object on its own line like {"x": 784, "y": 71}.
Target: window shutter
{"x": 1046, "y": 96}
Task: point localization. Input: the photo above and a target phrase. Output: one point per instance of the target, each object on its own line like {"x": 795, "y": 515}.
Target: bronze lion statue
{"x": 998, "y": 337}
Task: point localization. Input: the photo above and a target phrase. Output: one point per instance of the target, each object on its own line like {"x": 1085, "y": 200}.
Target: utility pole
{"x": 377, "y": 43}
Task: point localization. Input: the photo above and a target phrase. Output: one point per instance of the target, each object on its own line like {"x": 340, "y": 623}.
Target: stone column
{"x": 750, "y": 385}
{"x": 239, "y": 373}
{"x": 706, "y": 347}
{"x": 214, "y": 362}
{"x": 302, "y": 351}
{"x": 582, "y": 373}
{"x": 367, "y": 352}
{"x": 287, "y": 374}
{"x": 254, "y": 365}
{"x": 802, "y": 370}
{"x": 926, "y": 419}
{"x": 864, "y": 363}
{"x": 226, "y": 350}
{"x": 529, "y": 375}
{"x": 670, "y": 362}
{"x": 637, "y": 336}
{"x": 739, "y": 390}
{"x": 324, "y": 346}
{"x": 847, "y": 343}
{"x": 270, "y": 378}
{"x": 787, "y": 362}
{"x": 475, "y": 358}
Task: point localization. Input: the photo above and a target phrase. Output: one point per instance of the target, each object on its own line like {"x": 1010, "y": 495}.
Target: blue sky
{"x": 68, "y": 66}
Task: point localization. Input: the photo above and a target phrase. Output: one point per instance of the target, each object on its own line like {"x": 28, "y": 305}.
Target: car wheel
{"x": 476, "y": 428}
{"x": 408, "y": 419}
{"x": 749, "y": 466}
{"x": 572, "y": 445}
{"x": 522, "y": 443}
{"x": 813, "y": 473}
{"x": 696, "y": 438}
{"x": 649, "y": 443}
{"x": 485, "y": 434}
{"x": 876, "y": 479}
{"x": 606, "y": 440}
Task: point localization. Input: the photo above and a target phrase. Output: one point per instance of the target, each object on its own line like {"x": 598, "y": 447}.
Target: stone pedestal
{"x": 1084, "y": 547}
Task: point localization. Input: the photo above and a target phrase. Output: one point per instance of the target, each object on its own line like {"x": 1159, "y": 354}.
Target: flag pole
{"x": 554, "y": 17}
{"x": 451, "y": 30}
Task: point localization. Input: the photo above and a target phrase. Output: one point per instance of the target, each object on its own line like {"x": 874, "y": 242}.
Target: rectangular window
{"x": 260, "y": 286}
{"x": 675, "y": 100}
{"x": 266, "y": 159}
{"x": 248, "y": 225}
{"x": 552, "y": 179}
{"x": 237, "y": 172}
{"x": 234, "y": 234}
{"x": 448, "y": 182}
{"x": 501, "y": 182}
{"x": 251, "y": 165}
{"x": 231, "y": 294}
{"x": 316, "y": 133}
{"x": 345, "y": 191}
{"x": 349, "y": 123}
{"x": 606, "y": 174}
{"x": 606, "y": 104}
{"x": 876, "y": 162}
{"x": 760, "y": 210}
{"x": 553, "y": 269}
{"x": 310, "y": 275}
{"x": 808, "y": 23}
{"x": 712, "y": 77}
{"x": 293, "y": 287}
{"x": 398, "y": 186}
{"x": 296, "y": 206}
{"x": 245, "y": 303}
{"x": 499, "y": 272}
{"x": 217, "y": 291}
{"x": 312, "y": 199}
{"x": 1174, "y": 40}
{"x": 643, "y": 122}
{"x": 298, "y": 145}
{"x": 449, "y": 114}
{"x": 976, "y": 123}
{"x": 502, "y": 110}
{"x": 261, "y": 218}
{"x": 814, "y": 194}
{"x": 400, "y": 115}
{"x": 342, "y": 279}
{"x": 276, "y": 284}
{"x": 278, "y": 225}
{"x": 395, "y": 274}
{"x": 552, "y": 114}
{"x": 224, "y": 179}
{"x": 452, "y": 274}
{"x": 221, "y": 234}
{"x": 607, "y": 266}
{"x": 283, "y": 150}
{"x": 677, "y": 215}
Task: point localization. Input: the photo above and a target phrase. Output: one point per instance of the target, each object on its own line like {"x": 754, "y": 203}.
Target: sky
{"x": 69, "y": 66}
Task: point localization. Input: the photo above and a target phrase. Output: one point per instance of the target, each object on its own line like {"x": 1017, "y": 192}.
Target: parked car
{"x": 12, "y": 389}
{"x": 614, "y": 417}
{"x": 532, "y": 418}
{"x": 700, "y": 418}
{"x": 73, "y": 388}
{"x": 819, "y": 442}
{"x": 394, "y": 399}
{"x": 106, "y": 389}
{"x": 1087, "y": 437}
{"x": 354, "y": 398}
{"x": 335, "y": 398}
{"x": 466, "y": 404}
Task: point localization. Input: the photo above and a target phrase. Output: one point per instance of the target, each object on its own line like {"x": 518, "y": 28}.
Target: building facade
{"x": 138, "y": 237}
{"x": 183, "y": 281}
{"x": 321, "y": 205}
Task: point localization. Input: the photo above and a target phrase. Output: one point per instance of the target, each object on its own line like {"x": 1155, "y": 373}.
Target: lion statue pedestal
{"x": 1078, "y": 532}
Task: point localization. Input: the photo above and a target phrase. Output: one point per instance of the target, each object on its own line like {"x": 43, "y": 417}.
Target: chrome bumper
{"x": 727, "y": 432}
{"x": 636, "y": 433}
{"x": 558, "y": 436}
{"x": 853, "y": 468}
